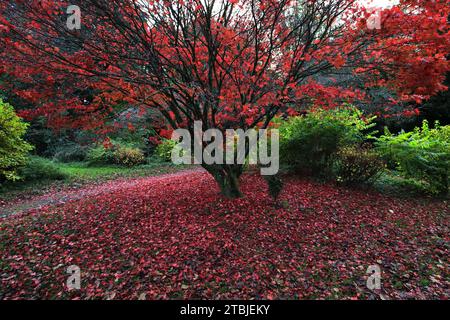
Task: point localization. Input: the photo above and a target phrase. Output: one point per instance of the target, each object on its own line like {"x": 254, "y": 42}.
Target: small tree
{"x": 13, "y": 149}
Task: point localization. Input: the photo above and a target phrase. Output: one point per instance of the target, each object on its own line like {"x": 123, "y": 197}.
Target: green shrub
{"x": 275, "y": 185}
{"x": 101, "y": 155}
{"x": 117, "y": 153}
{"x": 309, "y": 143}
{"x": 71, "y": 152}
{"x": 356, "y": 165}
{"x": 422, "y": 154}
{"x": 129, "y": 157}
{"x": 392, "y": 182}
{"x": 164, "y": 149}
{"x": 38, "y": 168}
{"x": 13, "y": 149}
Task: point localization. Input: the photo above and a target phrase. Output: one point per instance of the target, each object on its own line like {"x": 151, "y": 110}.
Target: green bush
{"x": 71, "y": 152}
{"x": 13, "y": 149}
{"x": 129, "y": 157}
{"x": 309, "y": 143}
{"x": 356, "y": 165}
{"x": 422, "y": 154}
{"x": 117, "y": 153}
{"x": 38, "y": 168}
{"x": 275, "y": 185}
{"x": 164, "y": 149}
{"x": 101, "y": 155}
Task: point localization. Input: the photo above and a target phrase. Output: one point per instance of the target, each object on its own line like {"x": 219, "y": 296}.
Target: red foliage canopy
{"x": 227, "y": 63}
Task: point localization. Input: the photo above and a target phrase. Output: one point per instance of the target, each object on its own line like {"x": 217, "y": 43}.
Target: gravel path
{"x": 61, "y": 197}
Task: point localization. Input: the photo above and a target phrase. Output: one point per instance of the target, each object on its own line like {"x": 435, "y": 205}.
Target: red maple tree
{"x": 230, "y": 64}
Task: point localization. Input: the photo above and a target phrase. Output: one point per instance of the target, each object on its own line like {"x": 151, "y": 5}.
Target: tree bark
{"x": 227, "y": 177}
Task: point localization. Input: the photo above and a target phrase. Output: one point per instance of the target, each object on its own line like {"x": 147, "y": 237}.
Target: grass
{"x": 80, "y": 173}
{"x": 83, "y": 172}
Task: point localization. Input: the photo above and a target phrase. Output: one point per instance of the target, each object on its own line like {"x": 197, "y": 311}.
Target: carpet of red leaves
{"x": 177, "y": 238}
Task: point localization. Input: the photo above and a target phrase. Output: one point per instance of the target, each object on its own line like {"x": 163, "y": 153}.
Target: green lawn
{"x": 82, "y": 172}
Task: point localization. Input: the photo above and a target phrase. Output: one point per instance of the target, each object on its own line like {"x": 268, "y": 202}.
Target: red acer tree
{"x": 229, "y": 64}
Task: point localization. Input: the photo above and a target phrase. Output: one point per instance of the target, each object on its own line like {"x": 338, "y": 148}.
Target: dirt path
{"x": 64, "y": 196}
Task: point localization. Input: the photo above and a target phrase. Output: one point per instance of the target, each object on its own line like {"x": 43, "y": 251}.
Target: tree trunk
{"x": 227, "y": 177}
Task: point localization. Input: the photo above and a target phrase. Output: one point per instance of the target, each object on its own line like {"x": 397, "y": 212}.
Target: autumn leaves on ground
{"x": 94, "y": 90}
{"x": 175, "y": 237}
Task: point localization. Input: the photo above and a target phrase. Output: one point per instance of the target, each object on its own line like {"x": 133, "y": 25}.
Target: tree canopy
{"x": 229, "y": 64}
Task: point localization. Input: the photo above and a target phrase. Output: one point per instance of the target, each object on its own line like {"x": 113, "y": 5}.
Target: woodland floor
{"x": 173, "y": 236}
{"x": 23, "y": 203}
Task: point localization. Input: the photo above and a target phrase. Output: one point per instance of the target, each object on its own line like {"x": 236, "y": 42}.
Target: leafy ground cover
{"x": 77, "y": 175}
{"x": 175, "y": 237}
{"x": 72, "y": 192}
